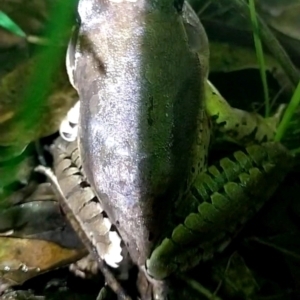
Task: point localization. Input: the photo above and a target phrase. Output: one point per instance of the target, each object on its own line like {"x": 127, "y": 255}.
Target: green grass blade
{"x": 47, "y": 63}
{"x": 7, "y": 23}
{"x": 290, "y": 110}
{"x": 260, "y": 56}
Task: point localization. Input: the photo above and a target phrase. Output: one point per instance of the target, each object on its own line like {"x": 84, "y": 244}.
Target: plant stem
{"x": 260, "y": 56}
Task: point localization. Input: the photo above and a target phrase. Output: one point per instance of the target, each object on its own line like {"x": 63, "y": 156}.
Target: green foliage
{"x": 31, "y": 101}
{"x": 295, "y": 100}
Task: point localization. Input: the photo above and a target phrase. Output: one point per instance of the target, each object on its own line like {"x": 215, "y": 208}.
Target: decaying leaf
{"x": 34, "y": 237}
{"x": 22, "y": 259}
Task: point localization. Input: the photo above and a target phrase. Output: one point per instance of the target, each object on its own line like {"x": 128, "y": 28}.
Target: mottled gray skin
{"x": 140, "y": 82}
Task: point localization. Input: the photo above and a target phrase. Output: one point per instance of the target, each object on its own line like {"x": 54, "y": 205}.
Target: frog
{"x": 147, "y": 113}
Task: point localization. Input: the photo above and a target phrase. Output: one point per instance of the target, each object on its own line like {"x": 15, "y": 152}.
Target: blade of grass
{"x": 287, "y": 116}
{"x": 260, "y": 56}
{"x": 7, "y": 23}
{"x": 48, "y": 62}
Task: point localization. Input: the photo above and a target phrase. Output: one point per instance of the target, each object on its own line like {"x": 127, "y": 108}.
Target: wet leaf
{"x": 22, "y": 259}
{"x": 282, "y": 15}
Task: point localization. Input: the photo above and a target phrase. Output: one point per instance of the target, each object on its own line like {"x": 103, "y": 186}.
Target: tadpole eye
{"x": 178, "y": 4}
